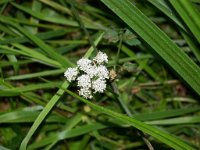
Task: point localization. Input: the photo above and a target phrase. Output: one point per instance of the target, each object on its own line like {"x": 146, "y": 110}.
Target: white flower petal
{"x": 86, "y": 93}
{"x": 84, "y": 64}
{"x": 71, "y": 74}
{"x": 102, "y": 72}
{"x": 99, "y": 85}
{"x": 84, "y": 81}
{"x": 101, "y": 58}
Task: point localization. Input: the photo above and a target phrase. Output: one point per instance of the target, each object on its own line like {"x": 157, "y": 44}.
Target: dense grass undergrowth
{"x": 152, "y": 97}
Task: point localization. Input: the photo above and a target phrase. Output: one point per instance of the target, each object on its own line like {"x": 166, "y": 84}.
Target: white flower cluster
{"x": 93, "y": 75}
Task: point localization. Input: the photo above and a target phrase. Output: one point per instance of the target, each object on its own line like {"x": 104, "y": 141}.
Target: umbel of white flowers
{"x": 90, "y": 75}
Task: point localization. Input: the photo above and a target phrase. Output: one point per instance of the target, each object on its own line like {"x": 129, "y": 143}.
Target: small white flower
{"x": 86, "y": 93}
{"x": 91, "y": 71}
{"x": 101, "y": 58}
{"x": 93, "y": 75}
{"x": 99, "y": 85}
{"x": 84, "y": 81}
{"x": 71, "y": 74}
{"x": 84, "y": 64}
{"x": 102, "y": 72}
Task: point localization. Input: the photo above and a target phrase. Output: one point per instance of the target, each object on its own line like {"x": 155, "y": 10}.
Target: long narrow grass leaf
{"x": 156, "y": 133}
{"x": 49, "y": 50}
{"x": 158, "y": 40}
{"x": 51, "y": 104}
{"x": 189, "y": 14}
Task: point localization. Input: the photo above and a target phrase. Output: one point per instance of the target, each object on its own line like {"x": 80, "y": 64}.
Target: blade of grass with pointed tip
{"x": 158, "y": 40}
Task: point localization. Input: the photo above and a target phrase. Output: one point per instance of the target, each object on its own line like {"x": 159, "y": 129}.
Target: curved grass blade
{"x": 156, "y": 133}
{"x": 158, "y": 40}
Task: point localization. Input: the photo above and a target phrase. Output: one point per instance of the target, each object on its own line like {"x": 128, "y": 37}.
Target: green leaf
{"x": 158, "y": 40}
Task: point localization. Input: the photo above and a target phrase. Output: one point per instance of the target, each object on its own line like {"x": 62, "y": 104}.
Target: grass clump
{"x": 151, "y": 96}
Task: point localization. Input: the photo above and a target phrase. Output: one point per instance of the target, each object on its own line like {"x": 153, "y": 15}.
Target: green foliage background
{"x": 153, "y": 48}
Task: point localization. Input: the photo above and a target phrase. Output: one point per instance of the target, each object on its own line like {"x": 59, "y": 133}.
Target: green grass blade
{"x": 177, "y": 120}
{"x": 13, "y": 59}
{"x": 5, "y": 1}
{"x": 189, "y": 14}
{"x": 158, "y": 40}
{"x": 148, "y": 69}
{"x": 156, "y": 133}
{"x": 192, "y": 44}
{"x": 165, "y": 114}
{"x": 32, "y": 87}
{"x": 58, "y": 19}
{"x": 38, "y": 74}
{"x": 42, "y": 116}
{"x": 46, "y": 16}
{"x": 71, "y": 123}
{"x": 30, "y": 53}
{"x": 162, "y": 6}
{"x": 68, "y": 134}
{"x": 42, "y": 36}
{"x": 49, "y": 50}
{"x": 4, "y": 148}
{"x": 27, "y": 116}
{"x": 51, "y": 104}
